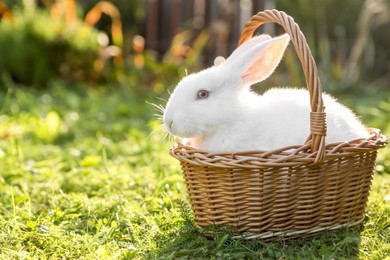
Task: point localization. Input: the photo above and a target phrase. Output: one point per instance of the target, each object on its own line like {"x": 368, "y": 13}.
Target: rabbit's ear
{"x": 252, "y": 42}
{"x": 256, "y": 62}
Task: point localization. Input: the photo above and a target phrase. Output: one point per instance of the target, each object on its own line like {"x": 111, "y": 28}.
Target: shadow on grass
{"x": 190, "y": 243}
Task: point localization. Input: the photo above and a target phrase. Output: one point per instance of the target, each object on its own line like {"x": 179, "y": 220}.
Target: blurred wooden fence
{"x": 224, "y": 20}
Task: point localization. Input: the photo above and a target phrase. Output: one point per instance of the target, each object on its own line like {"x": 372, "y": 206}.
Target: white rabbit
{"x": 216, "y": 110}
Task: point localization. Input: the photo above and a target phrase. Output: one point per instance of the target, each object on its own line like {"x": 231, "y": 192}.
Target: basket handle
{"x": 317, "y": 114}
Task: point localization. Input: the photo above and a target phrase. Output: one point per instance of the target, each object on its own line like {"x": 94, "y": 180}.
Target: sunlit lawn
{"x": 82, "y": 177}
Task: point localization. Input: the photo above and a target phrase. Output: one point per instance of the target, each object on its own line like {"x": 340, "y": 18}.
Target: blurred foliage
{"x": 347, "y": 38}
{"x": 39, "y": 45}
{"x": 146, "y": 70}
{"x": 33, "y": 52}
{"x": 12, "y": 3}
{"x": 145, "y": 67}
{"x": 132, "y": 14}
{"x": 72, "y": 48}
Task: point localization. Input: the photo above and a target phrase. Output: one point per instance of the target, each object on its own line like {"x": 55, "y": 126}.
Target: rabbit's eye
{"x": 202, "y": 94}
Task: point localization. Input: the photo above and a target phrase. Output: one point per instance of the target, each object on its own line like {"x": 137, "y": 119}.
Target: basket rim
{"x": 284, "y": 157}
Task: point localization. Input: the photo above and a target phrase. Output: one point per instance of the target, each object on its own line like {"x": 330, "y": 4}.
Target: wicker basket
{"x": 292, "y": 191}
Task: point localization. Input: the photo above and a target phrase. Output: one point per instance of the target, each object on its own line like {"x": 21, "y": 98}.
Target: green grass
{"x": 81, "y": 177}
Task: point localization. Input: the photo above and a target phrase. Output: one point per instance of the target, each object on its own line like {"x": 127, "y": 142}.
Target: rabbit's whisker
{"x": 163, "y": 100}
{"x": 157, "y": 107}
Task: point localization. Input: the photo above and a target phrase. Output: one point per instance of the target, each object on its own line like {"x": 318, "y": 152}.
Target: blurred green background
{"x": 151, "y": 42}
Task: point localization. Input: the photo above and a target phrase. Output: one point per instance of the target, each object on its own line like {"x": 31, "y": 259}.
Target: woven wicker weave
{"x": 292, "y": 191}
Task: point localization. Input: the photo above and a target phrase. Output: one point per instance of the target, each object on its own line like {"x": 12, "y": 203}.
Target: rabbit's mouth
{"x": 181, "y": 131}
{"x": 174, "y": 129}
{"x": 177, "y": 130}
{"x": 168, "y": 126}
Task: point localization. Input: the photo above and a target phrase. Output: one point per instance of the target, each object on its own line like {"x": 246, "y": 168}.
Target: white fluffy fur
{"x": 233, "y": 118}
